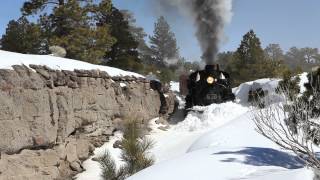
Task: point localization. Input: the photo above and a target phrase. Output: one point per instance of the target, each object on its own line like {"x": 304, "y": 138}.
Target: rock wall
{"x": 51, "y": 120}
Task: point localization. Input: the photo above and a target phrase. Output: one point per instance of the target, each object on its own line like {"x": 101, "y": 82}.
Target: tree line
{"x": 250, "y": 61}
{"x": 97, "y": 32}
{"x": 92, "y": 31}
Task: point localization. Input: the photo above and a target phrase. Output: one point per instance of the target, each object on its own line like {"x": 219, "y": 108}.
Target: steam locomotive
{"x": 206, "y": 87}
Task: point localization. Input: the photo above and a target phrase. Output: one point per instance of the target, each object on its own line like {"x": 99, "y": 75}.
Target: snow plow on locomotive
{"x": 206, "y": 87}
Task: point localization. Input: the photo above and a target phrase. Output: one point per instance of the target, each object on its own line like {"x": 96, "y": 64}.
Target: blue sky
{"x": 286, "y": 22}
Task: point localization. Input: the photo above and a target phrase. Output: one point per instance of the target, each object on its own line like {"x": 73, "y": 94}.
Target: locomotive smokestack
{"x": 210, "y": 17}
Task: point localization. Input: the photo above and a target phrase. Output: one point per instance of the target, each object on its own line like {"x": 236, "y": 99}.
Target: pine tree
{"x": 124, "y": 53}
{"x": 109, "y": 168}
{"x": 72, "y": 25}
{"x": 163, "y": 43}
{"x": 54, "y": 19}
{"x": 134, "y": 155}
{"x": 224, "y": 59}
{"x": 139, "y": 35}
{"x": 81, "y": 40}
{"x": 23, "y": 37}
{"x": 34, "y": 6}
{"x": 249, "y": 62}
{"x": 135, "y": 149}
{"x": 250, "y": 51}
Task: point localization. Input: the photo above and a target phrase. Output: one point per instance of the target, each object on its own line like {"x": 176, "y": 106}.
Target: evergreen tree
{"x": 135, "y": 155}
{"x": 163, "y": 43}
{"x": 135, "y": 149}
{"x": 124, "y": 53}
{"x": 56, "y": 18}
{"x": 250, "y": 51}
{"x": 23, "y": 37}
{"x": 81, "y": 40}
{"x": 109, "y": 168}
{"x": 34, "y": 6}
{"x": 224, "y": 59}
{"x": 72, "y": 25}
{"x": 250, "y": 62}
{"x": 139, "y": 36}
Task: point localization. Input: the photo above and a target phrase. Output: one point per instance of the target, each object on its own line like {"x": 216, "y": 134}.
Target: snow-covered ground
{"x": 221, "y": 143}
{"x": 7, "y": 59}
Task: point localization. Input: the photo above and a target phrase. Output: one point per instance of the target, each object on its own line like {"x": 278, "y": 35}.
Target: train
{"x": 208, "y": 86}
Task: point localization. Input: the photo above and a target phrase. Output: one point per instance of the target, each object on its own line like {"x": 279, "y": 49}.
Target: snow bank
{"x": 232, "y": 151}
{"x": 220, "y": 143}
{"x": 223, "y": 144}
{"x": 178, "y": 138}
{"x": 7, "y": 59}
{"x": 238, "y": 133}
{"x": 212, "y": 116}
{"x": 242, "y": 91}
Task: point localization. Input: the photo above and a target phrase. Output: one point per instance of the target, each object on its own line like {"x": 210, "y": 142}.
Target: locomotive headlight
{"x": 210, "y": 80}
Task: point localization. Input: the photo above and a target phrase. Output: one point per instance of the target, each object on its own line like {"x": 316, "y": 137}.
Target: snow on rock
{"x": 7, "y": 59}
{"x": 174, "y": 86}
{"x": 123, "y": 85}
{"x": 92, "y": 168}
{"x": 241, "y": 92}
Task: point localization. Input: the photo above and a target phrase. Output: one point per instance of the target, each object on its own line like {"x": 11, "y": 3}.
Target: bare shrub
{"x": 291, "y": 126}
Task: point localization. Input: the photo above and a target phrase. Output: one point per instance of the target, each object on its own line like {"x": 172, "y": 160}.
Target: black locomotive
{"x": 208, "y": 86}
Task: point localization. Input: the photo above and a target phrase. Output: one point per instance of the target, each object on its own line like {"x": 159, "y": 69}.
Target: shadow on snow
{"x": 257, "y": 156}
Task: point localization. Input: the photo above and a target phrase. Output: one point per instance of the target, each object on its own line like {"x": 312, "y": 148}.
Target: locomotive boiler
{"x": 206, "y": 87}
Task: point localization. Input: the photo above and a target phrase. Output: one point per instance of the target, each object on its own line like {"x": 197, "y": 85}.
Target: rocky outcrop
{"x": 51, "y": 120}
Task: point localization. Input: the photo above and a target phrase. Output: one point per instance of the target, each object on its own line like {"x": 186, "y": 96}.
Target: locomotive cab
{"x": 208, "y": 86}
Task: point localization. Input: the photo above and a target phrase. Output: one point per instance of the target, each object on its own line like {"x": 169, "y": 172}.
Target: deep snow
{"x": 220, "y": 143}
{"x": 231, "y": 149}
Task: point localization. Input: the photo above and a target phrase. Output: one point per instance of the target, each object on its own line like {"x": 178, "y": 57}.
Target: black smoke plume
{"x": 209, "y": 17}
